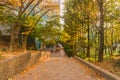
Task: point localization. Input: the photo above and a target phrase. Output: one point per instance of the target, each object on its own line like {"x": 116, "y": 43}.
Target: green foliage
{"x": 64, "y": 37}
{"x": 76, "y": 25}
{"x": 29, "y": 25}
{"x": 68, "y": 49}
{"x": 6, "y": 16}
{"x": 50, "y": 32}
{"x": 90, "y": 59}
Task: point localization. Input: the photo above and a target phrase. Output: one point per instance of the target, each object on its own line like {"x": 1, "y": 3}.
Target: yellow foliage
{"x": 64, "y": 37}
{"x": 15, "y": 2}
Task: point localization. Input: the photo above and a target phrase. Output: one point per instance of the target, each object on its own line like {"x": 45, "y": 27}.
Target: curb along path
{"x": 59, "y": 68}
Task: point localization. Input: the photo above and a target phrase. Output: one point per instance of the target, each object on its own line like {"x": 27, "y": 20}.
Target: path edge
{"x": 108, "y": 75}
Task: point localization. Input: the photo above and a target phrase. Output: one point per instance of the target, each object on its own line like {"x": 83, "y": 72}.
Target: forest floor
{"x": 112, "y": 65}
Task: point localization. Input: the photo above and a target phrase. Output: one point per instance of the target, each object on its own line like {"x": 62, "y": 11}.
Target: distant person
{"x": 38, "y": 44}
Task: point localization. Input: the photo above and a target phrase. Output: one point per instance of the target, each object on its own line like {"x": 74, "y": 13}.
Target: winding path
{"x": 59, "y": 67}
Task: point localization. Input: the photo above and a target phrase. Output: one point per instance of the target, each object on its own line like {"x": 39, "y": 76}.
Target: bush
{"x": 68, "y": 50}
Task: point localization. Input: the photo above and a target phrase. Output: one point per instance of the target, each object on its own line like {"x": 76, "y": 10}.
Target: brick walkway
{"x": 59, "y": 68}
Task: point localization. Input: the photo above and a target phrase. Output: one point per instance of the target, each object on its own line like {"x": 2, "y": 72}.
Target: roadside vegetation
{"x": 93, "y": 27}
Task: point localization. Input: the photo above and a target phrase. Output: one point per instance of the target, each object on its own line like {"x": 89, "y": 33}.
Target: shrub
{"x": 68, "y": 50}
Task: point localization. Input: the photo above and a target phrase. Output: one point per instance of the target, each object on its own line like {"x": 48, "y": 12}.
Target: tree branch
{"x": 41, "y": 16}
{"x": 38, "y": 11}
{"x": 8, "y": 6}
{"x": 27, "y": 6}
{"x": 34, "y": 7}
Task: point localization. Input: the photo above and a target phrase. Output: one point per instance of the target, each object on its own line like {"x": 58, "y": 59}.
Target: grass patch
{"x": 90, "y": 59}
{"x": 94, "y": 56}
{"x": 110, "y": 62}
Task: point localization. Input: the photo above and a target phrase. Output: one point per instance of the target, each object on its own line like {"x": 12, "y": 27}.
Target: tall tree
{"x": 24, "y": 9}
{"x": 101, "y": 29}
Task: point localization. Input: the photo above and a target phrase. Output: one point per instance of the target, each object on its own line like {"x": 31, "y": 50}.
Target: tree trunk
{"x": 24, "y": 44}
{"x": 12, "y": 40}
{"x": 14, "y": 33}
{"x": 101, "y": 30}
{"x": 88, "y": 47}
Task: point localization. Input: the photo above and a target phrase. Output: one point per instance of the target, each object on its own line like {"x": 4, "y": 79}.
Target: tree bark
{"x": 88, "y": 30}
{"x": 12, "y": 40}
{"x": 24, "y": 44}
{"x": 101, "y": 30}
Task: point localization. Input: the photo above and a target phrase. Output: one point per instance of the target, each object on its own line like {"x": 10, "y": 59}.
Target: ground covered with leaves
{"x": 112, "y": 66}
{"x": 59, "y": 68}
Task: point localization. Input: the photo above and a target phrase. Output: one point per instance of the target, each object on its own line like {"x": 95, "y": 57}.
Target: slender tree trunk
{"x": 24, "y": 44}
{"x": 12, "y": 40}
{"x": 101, "y": 37}
{"x": 73, "y": 49}
{"x": 88, "y": 47}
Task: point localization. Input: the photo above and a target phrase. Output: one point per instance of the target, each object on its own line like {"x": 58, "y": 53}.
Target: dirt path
{"x": 58, "y": 68}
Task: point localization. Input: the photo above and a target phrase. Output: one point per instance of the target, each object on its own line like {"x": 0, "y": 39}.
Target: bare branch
{"x": 116, "y": 18}
{"x": 34, "y": 7}
{"x": 22, "y": 3}
{"x": 41, "y": 16}
{"x": 38, "y": 11}
{"x": 30, "y": 2}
